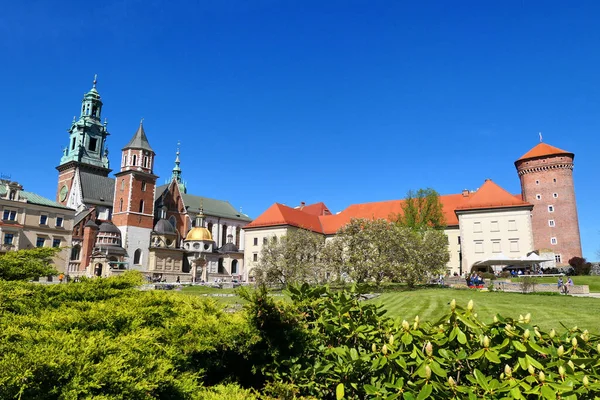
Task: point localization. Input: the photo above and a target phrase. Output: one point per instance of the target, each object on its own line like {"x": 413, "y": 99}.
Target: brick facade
{"x": 547, "y": 183}
{"x": 65, "y": 177}
{"x": 130, "y": 191}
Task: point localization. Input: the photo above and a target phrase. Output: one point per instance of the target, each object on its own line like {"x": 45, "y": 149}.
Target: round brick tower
{"x": 546, "y": 175}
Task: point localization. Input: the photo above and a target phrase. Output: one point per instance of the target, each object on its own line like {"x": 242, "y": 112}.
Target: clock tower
{"x": 86, "y": 149}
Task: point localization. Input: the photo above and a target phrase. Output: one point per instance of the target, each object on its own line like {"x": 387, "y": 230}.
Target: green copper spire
{"x": 176, "y": 174}
{"x": 87, "y": 134}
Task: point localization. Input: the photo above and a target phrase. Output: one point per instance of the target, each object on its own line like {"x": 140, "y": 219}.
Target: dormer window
{"x": 12, "y": 195}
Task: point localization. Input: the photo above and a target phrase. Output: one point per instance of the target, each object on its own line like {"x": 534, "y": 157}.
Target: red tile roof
{"x": 542, "y": 150}
{"x": 315, "y": 209}
{"x": 489, "y": 195}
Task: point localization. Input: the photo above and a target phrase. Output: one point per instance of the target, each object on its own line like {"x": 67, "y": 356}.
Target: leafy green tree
{"x": 28, "y": 263}
{"x": 369, "y": 250}
{"x": 422, "y": 209}
{"x": 291, "y": 258}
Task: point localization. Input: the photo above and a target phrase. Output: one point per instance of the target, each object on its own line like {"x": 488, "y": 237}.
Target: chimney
{"x": 465, "y": 192}
{"x": 302, "y": 204}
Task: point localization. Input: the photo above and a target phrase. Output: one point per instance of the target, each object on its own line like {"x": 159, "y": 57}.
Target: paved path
{"x": 596, "y": 295}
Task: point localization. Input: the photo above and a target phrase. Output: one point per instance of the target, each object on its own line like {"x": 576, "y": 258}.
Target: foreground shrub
{"x": 351, "y": 350}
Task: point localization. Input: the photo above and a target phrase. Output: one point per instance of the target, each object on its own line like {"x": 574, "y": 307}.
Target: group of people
{"x": 475, "y": 281}
{"x": 563, "y": 287}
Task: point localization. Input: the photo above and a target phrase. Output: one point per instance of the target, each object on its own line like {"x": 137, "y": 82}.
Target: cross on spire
{"x": 95, "y": 79}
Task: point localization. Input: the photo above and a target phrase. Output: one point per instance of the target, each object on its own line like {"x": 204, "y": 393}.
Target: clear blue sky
{"x": 288, "y": 101}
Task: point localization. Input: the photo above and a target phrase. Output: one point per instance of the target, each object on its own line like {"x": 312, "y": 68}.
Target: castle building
{"x": 29, "y": 220}
{"x": 128, "y": 222}
{"x": 489, "y": 223}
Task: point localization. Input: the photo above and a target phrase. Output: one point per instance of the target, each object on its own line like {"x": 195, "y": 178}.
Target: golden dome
{"x": 199, "y": 234}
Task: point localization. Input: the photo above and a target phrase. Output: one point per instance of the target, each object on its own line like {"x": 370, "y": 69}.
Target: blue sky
{"x": 288, "y": 101}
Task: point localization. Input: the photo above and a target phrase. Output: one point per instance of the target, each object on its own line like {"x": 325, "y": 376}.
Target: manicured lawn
{"x": 592, "y": 281}
{"x": 546, "y": 311}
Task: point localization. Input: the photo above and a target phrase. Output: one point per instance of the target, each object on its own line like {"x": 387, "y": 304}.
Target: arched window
{"x": 224, "y": 235}
{"x": 122, "y": 184}
{"x": 134, "y": 160}
{"x": 237, "y": 237}
{"x": 73, "y": 144}
{"x": 143, "y": 186}
{"x": 137, "y": 257}
{"x": 209, "y": 227}
{"x": 220, "y": 269}
{"x": 234, "y": 265}
{"x": 141, "y": 206}
{"x": 75, "y": 253}
{"x": 124, "y": 160}
{"x": 145, "y": 162}
{"x": 121, "y": 205}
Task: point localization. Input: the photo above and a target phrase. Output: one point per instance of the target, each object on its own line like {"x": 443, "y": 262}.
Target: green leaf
{"x": 408, "y": 396}
{"x": 425, "y": 392}
{"x": 534, "y": 362}
{"x": 407, "y": 338}
{"x": 462, "y": 339}
{"x": 370, "y": 389}
{"x": 477, "y": 355}
{"x": 519, "y": 346}
{"x": 480, "y": 377}
{"x": 339, "y": 391}
{"x": 548, "y": 392}
{"x": 492, "y": 356}
{"x": 437, "y": 369}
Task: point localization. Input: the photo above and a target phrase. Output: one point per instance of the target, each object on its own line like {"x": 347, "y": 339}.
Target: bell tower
{"x": 133, "y": 208}
{"x": 86, "y": 149}
{"x": 546, "y": 174}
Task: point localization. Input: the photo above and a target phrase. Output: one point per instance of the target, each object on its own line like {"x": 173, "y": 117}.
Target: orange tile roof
{"x": 279, "y": 214}
{"x": 315, "y": 209}
{"x": 541, "y": 150}
{"x": 489, "y": 195}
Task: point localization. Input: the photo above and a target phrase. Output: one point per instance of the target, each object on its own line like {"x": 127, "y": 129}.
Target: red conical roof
{"x": 542, "y": 150}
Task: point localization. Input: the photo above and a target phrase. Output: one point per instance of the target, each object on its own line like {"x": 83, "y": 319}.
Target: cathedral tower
{"x": 546, "y": 175}
{"x": 133, "y": 208}
{"x": 86, "y": 150}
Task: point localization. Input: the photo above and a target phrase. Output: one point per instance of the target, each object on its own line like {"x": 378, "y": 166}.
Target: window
{"x": 43, "y": 219}
{"x": 459, "y": 240}
{"x": 496, "y": 246}
{"x": 479, "y": 247}
{"x": 256, "y": 241}
{"x": 265, "y": 240}
{"x": 553, "y": 240}
{"x": 173, "y": 221}
{"x": 8, "y": 238}
{"x": 56, "y": 243}
{"x": 512, "y": 225}
{"x": 255, "y": 257}
{"x": 495, "y": 226}
{"x": 121, "y": 205}
{"x": 550, "y": 208}
{"x": 143, "y": 186}
{"x": 10, "y": 215}
{"x": 73, "y": 144}
{"x": 555, "y": 195}
{"x": 554, "y": 180}
{"x": 537, "y": 182}
{"x": 538, "y": 196}
{"x": 124, "y": 161}
{"x": 514, "y": 245}
{"x": 137, "y": 257}
{"x": 558, "y": 258}
{"x": 122, "y": 184}
{"x": 141, "y": 206}
{"x": 12, "y": 195}
{"x": 476, "y": 227}
{"x": 75, "y": 253}
{"x": 40, "y": 242}
{"x": 134, "y": 160}
{"x": 550, "y": 222}
{"x": 93, "y": 144}
{"x": 145, "y": 162}
{"x": 59, "y": 221}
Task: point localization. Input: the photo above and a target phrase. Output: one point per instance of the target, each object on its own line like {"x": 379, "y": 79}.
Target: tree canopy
{"x": 422, "y": 209}
{"x": 28, "y": 263}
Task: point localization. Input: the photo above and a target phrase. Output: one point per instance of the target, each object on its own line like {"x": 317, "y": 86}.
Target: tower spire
{"x": 176, "y": 174}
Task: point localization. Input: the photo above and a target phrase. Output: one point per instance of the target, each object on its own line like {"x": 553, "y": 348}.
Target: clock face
{"x": 63, "y": 192}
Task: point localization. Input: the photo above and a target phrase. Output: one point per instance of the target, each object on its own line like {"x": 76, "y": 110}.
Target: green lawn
{"x": 592, "y": 281}
{"x": 546, "y": 311}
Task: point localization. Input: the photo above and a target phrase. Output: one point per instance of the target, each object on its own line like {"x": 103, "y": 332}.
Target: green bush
{"x": 352, "y": 350}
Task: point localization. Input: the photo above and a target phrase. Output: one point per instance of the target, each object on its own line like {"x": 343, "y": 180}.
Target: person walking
{"x": 568, "y": 285}
{"x": 560, "y": 284}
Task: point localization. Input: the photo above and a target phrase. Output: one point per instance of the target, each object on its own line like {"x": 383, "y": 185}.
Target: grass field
{"x": 546, "y": 311}
{"x": 431, "y": 304}
{"x": 592, "y": 281}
